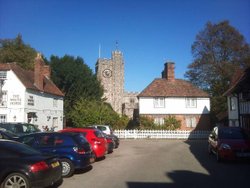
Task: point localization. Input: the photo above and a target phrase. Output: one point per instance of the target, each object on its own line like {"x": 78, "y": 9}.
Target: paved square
{"x": 161, "y": 163}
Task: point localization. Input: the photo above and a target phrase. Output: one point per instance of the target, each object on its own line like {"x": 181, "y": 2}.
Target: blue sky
{"x": 149, "y": 32}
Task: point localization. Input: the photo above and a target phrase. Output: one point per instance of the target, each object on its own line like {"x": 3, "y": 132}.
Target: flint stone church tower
{"x": 110, "y": 72}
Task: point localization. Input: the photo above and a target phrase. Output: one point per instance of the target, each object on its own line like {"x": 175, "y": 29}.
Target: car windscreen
{"x": 232, "y": 134}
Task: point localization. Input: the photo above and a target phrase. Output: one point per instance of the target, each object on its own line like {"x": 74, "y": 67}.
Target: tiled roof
{"x": 241, "y": 80}
{"x": 162, "y": 87}
{"x": 27, "y": 78}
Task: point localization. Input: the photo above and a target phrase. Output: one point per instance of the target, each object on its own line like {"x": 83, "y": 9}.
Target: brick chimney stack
{"x": 40, "y": 71}
{"x": 46, "y": 71}
{"x": 168, "y": 72}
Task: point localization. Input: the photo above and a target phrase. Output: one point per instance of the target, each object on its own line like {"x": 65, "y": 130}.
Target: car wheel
{"x": 67, "y": 168}
{"x": 16, "y": 180}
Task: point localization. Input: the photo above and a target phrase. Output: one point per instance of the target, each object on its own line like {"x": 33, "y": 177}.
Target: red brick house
{"x": 176, "y": 97}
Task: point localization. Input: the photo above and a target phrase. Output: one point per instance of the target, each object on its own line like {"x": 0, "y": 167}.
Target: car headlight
{"x": 225, "y": 146}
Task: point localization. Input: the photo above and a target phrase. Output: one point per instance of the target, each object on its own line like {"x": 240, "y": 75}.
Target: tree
{"x": 75, "y": 79}
{"x": 218, "y": 51}
{"x": 88, "y": 112}
{"x": 14, "y": 50}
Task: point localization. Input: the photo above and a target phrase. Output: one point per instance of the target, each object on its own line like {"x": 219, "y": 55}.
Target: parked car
{"x": 115, "y": 140}
{"x": 110, "y": 143}
{"x": 20, "y": 129}
{"x": 106, "y": 129}
{"x": 73, "y": 149}
{"x": 95, "y": 137}
{"x": 5, "y": 134}
{"x": 24, "y": 167}
{"x": 229, "y": 143}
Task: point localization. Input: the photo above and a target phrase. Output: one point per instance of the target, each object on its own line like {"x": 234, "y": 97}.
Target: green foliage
{"x": 146, "y": 123}
{"x": 14, "y": 50}
{"x": 133, "y": 124}
{"x": 171, "y": 123}
{"x": 218, "y": 51}
{"x": 75, "y": 79}
{"x": 88, "y": 112}
{"x": 122, "y": 123}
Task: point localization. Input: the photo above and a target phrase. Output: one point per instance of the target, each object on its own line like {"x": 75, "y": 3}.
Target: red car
{"x": 95, "y": 137}
{"x": 229, "y": 143}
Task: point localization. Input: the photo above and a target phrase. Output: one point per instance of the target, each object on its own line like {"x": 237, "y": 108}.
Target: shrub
{"x": 171, "y": 123}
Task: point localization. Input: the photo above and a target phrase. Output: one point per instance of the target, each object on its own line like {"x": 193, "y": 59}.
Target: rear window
{"x": 50, "y": 140}
{"x": 80, "y": 138}
{"x": 99, "y": 134}
{"x": 29, "y": 140}
{"x": 233, "y": 134}
{"x": 102, "y": 128}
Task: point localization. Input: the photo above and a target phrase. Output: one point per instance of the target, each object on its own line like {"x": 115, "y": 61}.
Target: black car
{"x": 22, "y": 166}
{"x": 110, "y": 142}
{"x": 115, "y": 139}
{"x": 20, "y": 129}
{"x": 4, "y": 134}
{"x": 73, "y": 149}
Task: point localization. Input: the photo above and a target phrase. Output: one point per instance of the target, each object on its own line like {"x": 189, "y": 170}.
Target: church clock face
{"x": 107, "y": 73}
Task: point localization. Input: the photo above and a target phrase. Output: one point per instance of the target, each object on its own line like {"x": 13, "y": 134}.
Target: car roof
{"x": 50, "y": 133}
{"x": 102, "y": 125}
{"x": 82, "y": 129}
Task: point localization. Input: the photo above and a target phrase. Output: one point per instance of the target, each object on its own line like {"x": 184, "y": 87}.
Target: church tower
{"x": 110, "y": 72}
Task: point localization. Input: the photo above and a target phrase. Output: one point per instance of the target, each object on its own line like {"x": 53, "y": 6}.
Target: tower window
{"x": 132, "y": 100}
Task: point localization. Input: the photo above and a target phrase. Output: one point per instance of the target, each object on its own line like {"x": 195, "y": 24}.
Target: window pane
{"x": 159, "y": 102}
{"x": 191, "y": 102}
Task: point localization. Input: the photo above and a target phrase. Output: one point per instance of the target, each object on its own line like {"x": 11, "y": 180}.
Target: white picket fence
{"x": 161, "y": 134}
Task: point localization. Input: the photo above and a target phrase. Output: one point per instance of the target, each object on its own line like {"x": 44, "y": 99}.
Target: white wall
{"x": 19, "y": 104}
{"x": 15, "y": 98}
{"x": 43, "y": 105}
{"x": 173, "y": 106}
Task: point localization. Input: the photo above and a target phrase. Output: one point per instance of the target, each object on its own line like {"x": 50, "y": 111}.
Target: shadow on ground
{"x": 234, "y": 174}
